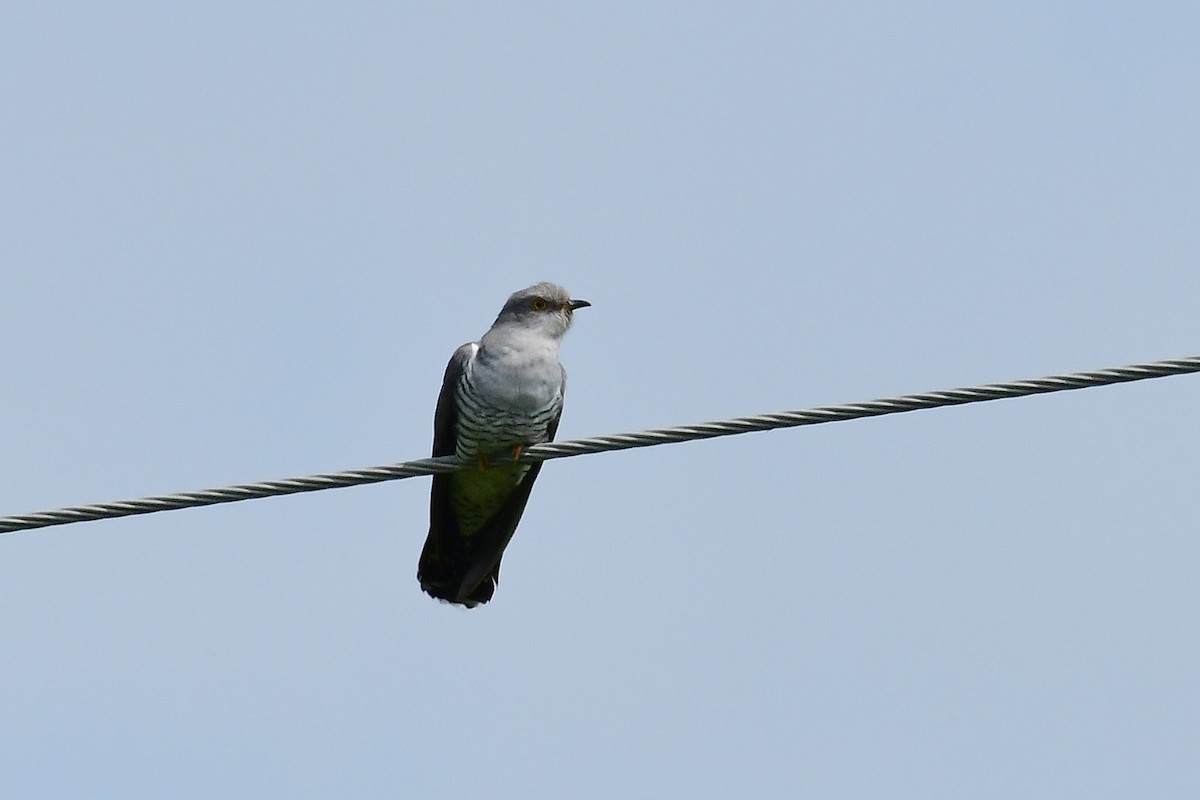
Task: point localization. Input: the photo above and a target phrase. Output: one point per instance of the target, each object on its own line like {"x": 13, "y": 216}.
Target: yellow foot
{"x": 517, "y": 448}
{"x": 483, "y": 462}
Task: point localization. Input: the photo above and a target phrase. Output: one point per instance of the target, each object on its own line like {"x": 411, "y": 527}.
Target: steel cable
{"x": 602, "y": 444}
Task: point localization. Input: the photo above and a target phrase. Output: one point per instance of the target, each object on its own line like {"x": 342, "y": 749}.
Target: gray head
{"x": 547, "y": 306}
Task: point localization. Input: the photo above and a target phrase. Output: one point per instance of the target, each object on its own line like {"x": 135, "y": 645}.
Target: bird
{"x": 499, "y": 395}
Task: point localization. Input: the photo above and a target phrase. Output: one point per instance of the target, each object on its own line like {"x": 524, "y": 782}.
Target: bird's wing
{"x": 445, "y": 418}
{"x": 436, "y": 570}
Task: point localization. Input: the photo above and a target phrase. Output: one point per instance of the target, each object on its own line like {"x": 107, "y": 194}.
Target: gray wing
{"x": 444, "y": 543}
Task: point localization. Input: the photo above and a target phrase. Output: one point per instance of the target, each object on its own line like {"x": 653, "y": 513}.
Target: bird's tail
{"x": 442, "y": 578}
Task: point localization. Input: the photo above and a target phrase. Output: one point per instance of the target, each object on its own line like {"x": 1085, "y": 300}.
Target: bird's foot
{"x": 516, "y": 451}
{"x": 483, "y": 462}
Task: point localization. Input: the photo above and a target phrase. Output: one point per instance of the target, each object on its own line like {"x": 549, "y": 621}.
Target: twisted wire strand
{"x": 601, "y": 444}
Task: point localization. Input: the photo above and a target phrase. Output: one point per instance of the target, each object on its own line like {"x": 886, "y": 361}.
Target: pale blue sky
{"x": 240, "y": 241}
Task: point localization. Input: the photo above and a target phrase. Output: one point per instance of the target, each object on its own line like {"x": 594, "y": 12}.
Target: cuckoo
{"x": 499, "y": 395}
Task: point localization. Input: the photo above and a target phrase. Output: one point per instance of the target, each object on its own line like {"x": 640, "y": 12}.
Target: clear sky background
{"x": 240, "y": 241}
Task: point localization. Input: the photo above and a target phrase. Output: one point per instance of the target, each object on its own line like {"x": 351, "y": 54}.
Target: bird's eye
{"x": 539, "y": 304}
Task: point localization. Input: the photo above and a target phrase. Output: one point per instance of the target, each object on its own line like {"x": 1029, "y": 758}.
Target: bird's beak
{"x": 575, "y": 304}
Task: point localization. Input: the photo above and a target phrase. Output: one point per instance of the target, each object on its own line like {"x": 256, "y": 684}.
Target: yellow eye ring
{"x": 539, "y": 304}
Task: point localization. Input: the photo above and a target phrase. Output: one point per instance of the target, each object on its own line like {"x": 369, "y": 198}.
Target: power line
{"x": 601, "y": 444}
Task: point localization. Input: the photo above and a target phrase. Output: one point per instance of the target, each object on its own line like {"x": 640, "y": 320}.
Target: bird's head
{"x": 544, "y": 306}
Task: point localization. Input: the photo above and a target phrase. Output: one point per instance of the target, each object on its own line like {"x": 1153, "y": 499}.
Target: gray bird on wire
{"x": 500, "y": 395}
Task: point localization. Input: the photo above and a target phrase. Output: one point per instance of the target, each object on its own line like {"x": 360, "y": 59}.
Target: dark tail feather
{"x": 442, "y": 577}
